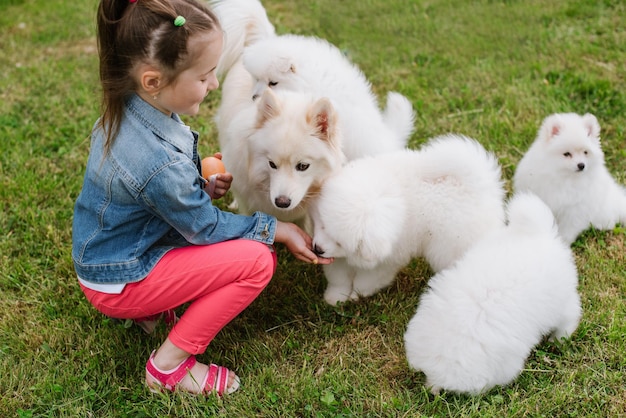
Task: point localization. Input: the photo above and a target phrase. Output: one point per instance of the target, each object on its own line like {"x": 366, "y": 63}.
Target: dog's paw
{"x": 334, "y": 295}
{"x": 434, "y": 388}
{"x": 354, "y": 296}
{"x": 234, "y": 206}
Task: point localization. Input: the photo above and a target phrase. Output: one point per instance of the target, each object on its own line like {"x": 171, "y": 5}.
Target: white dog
{"x": 262, "y": 138}
{"x": 478, "y": 321}
{"x": 309, "y": 64}
{"x": 280, "y": 149}
{"x": 244, "y": 22}
{"x": 377, "y": 213}
{"x": 565, "y": 167}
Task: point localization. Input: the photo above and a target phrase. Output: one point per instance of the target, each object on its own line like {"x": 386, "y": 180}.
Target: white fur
{"x": 565, "y": 167}
{"x": 299, "y": 69}
{"x": 478, "y": 321}
{"x": 243, "y": 22}
{"x": 309, "y": 64}
{"x": 377, "y": 213}
{"x": 280, "y": 149}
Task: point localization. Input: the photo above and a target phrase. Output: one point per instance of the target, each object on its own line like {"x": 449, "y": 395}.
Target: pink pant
{"x": 220, "y": 281}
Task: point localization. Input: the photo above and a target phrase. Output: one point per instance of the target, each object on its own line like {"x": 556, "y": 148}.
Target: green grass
{"x": 488, "y": 69}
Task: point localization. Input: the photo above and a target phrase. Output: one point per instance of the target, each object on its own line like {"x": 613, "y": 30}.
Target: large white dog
{"x": 377, "y": 213}
{"x": 268, "y": 115}
{"x": 478, "y": 321}
{"x": 565, "y": 167}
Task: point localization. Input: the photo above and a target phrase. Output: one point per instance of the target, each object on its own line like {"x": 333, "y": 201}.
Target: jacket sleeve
{"x": 174, "y": 194}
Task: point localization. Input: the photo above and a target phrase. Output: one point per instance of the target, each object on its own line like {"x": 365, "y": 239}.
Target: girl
{"x": 146, "y": 237}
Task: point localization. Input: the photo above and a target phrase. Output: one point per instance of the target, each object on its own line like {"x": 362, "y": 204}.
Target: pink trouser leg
{"x": 220, "y": 281}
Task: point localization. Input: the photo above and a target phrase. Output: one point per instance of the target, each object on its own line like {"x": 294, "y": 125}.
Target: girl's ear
{"x": 150, "y": 80}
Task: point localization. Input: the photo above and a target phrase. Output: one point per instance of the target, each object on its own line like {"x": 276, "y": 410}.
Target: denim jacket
{"x": 145, "y": 197}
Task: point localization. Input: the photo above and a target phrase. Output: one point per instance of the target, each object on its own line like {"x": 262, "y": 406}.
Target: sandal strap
{"x": 171, "y": 379}
{"x": 170, "y": 317}
{"x": 216, "y": 379}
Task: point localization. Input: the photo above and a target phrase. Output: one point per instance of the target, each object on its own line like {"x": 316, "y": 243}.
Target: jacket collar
{"x": 170, "y": 129}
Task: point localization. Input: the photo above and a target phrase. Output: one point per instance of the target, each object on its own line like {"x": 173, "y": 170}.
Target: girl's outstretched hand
{"x": 298, "y": 242}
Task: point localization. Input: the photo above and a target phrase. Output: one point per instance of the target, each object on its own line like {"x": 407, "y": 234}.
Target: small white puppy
{"x": 478, "y": 321}
{"x": 565, "y": 167}
{"x": 293, "y": 110}
{"x": 279, "y": 148}
{"x": 377, "y": 213}
{"x": 312, "y": 65}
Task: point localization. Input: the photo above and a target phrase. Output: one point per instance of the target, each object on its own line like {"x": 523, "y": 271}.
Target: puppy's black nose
{"x": 282, "y": 202}
{"x": 318, "y": 250}
{"x": 254, "y": 97}
{"x": 581, "y": 166}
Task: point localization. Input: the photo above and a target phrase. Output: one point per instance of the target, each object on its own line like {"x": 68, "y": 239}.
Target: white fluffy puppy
{"x": 244, "y": 22}
{"x": 478, "y": 321}
{"x": 377, "y": 213}
{"x": 270, "y": 143}
{"x": 312, "y": 65}
{"x": 565, "y": 167}
{"x": 280, "y": 148}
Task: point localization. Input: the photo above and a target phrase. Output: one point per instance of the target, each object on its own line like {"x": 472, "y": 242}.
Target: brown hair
{"x": 143, "y": 32}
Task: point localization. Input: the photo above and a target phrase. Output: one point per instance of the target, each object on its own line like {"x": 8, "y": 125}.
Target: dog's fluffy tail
{"x": 244, "y": 22}
{"x": 459, "y": 156}
{"x": 399, "y": 117}
{"x": 527, "y": 212}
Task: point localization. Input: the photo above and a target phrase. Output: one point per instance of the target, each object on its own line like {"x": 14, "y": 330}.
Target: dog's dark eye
{"x": 272, "y": 165}
{"x": 567, "y": 154}
{"x": 586, "y": 152}
{"x": 272, "y": 83}
{"x": 302, "y": 166}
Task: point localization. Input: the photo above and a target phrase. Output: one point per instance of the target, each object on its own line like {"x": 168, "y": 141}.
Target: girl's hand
{"x": 298, "y": 242}
{"x": 218, "y": 184}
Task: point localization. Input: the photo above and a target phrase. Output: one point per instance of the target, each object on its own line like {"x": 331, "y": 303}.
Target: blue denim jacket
{"x": 145, "y": 197}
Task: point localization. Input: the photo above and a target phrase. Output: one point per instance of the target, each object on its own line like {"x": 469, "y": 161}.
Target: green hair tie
{"x": 179, "y": 21}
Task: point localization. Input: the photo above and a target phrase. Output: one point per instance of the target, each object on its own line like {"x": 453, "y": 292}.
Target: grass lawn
{"x": 488, "y": 69}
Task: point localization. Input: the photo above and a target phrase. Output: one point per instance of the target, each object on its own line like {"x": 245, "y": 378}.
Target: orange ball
{"x": 212, "y": 165}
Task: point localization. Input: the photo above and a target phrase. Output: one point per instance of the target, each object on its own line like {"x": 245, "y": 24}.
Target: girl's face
{"x": 184, "y": 95}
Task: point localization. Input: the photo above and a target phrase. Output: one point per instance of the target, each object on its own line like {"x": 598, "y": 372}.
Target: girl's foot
{"x": 191, "y": 376}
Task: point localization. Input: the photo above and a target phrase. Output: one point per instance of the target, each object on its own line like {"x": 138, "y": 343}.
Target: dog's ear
{"x": 284, "y": 65}
{"x": 380, "y": 230}
{"x": 322, "y": 117}
{"x": 551, "y": 127}
{"x": 268, "y": 107}
{"x": 592, "y": 125}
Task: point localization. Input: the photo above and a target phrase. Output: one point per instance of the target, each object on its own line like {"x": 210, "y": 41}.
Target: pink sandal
{"x": 216, "y": 378}
{"x": 149, "y": 323}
